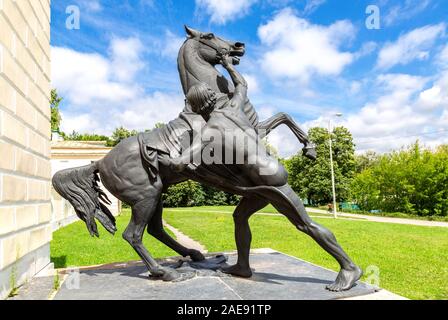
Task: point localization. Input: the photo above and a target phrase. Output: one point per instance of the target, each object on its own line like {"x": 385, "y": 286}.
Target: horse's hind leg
{"x": 265, "y": 127}
{"x": 155, "y": 228}
{"x": 142, "y": 212}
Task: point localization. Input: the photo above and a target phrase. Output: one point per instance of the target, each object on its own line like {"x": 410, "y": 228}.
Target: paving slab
{"x": 39, "y": 288}
{"x": 276, "y": 276}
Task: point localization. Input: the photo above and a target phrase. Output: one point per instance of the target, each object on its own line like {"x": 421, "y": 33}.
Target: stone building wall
{"x": 25, "y": 207}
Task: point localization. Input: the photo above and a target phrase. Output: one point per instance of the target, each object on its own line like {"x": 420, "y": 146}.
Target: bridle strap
{"x": 213, "y": 46}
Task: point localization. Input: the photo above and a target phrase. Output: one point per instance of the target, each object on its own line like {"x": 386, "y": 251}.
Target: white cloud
{"x": 171, "y": 44}
{"x": 366, "y": 49}
{"x": 406, "y": 111}
{"x": 355, "y": 87}
{"x": 223, "y": 11}
{"x": 405, "y": 11}
{"x": 91, "y": 5}
{"x": 252, "y": 83}
{"x": 126, "y": 58}
{"x": 431, "y": 97}
{"x": 265, "y": 112}
{"x": 312, "y": 5}
{"x": 396, "y": 118}
{"x": 144, "y": 112}
{"x": 79, "y": 123}
{"x": 284, "y": 141}
{"x": 414, "y": 45}
{"x": 84, "y": 77}
{"x": 442, "y": 57}
{"x": 297, "y": 49}
{"x": 102, "y": 92}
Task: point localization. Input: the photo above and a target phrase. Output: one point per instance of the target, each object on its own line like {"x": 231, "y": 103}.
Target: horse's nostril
{"x": 239, "y": 45}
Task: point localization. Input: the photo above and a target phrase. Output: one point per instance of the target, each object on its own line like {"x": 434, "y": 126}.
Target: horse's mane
{"x": 180, "y": 64}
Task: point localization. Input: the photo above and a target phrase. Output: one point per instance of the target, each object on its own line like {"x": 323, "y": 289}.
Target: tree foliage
{"x": 76, "y": 136}
{"x": 412, "y": 180}
{"x": 55, "y": 100}
{"x": 190, "y": 194}
{"x": 119, "y": 134}
{"x": 312, "y": 179}
{"x": 365, "y": 161}
{"x": 184, "y": 194}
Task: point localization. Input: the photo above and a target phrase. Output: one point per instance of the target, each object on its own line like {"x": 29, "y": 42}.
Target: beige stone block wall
{"x": 25, "y": 207}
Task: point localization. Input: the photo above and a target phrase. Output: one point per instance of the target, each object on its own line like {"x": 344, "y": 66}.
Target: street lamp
{"x": 335, "y": 214}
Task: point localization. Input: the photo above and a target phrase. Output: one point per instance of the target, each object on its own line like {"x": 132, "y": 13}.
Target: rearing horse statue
{"x": 135, "y": 172}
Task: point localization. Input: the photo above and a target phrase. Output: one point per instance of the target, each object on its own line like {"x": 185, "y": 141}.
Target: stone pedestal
{"x": 276, "y": 276}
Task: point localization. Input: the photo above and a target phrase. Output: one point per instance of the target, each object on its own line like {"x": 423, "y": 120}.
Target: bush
{"x": 184, "y": 194}
{"x": 192, "y": 194}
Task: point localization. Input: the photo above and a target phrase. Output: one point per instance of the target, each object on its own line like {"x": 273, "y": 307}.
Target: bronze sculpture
{"x": 140, "y": 168}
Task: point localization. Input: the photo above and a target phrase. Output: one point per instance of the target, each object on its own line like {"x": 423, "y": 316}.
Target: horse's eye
{"x": 208, "y": 36}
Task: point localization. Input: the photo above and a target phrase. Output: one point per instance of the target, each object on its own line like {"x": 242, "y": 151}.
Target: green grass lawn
{"x": 73, "y": 246}
{"x": 412, "y": 259}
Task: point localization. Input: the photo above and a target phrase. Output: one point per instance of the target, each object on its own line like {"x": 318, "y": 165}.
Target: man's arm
{"x": 240, "y": 95}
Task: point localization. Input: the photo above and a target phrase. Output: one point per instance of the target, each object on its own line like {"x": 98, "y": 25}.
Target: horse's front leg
{"x": 155, "y": 228}
{"x": 142, "y": 212}
{"x": 266, "y": 126}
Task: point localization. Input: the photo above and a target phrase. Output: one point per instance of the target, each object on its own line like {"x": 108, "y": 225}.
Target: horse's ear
{"x": 191, "y": 33}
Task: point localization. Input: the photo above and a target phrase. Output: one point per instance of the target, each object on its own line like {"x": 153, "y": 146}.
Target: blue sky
{"x": 310, "y": 59}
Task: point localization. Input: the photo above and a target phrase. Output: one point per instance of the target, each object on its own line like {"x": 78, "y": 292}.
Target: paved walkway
{"x": 185, "y": 240}
{"x": 348, "y": 216}
{"x": 415, "y": 222}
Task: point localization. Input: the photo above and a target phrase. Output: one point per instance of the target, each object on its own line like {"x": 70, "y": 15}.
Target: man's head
{"x": 201, "y": 98}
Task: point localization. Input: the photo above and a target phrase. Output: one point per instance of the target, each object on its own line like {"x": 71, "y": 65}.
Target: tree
{"x": 184, "y": 194}
{"x": 270, "y": 149}
{"x": 312, "y": 179}
{"x": 55, "y": 100}
{"x": 159, "y": 125}
{"x": 119, "y": 134}
{"x": 365, "y": 161}
{"x": 413, "y": 180}
{"x": 76, "y": 136}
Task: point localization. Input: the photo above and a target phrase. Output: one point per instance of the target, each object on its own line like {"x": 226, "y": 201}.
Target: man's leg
{"x": 286, "y": 202}
{"x": 243, "y": 237}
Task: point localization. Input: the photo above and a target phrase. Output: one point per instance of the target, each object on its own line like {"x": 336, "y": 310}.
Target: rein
{"x": 221, "y": 51}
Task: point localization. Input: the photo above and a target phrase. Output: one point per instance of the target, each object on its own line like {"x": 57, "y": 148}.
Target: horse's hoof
{"x": 171, "y": 275}
{"x": 310, "y": 152}
{"x": 196, "y": 255}
{"x": 174, "y": 276}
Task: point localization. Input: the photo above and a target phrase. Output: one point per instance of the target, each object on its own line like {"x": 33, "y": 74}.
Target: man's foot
{"x": 237, "y": 270}
{"x": 346, "y": 279}
{"x": 309, "y": 151}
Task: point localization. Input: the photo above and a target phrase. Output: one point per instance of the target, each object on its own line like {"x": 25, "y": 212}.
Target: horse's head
{"x": 210, "y": 46}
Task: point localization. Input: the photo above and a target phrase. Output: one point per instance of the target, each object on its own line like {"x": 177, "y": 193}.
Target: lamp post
{"x": 335, "y": 214}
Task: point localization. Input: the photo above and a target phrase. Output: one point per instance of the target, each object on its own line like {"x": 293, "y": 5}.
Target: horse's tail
{"x": 80, "y": 187}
